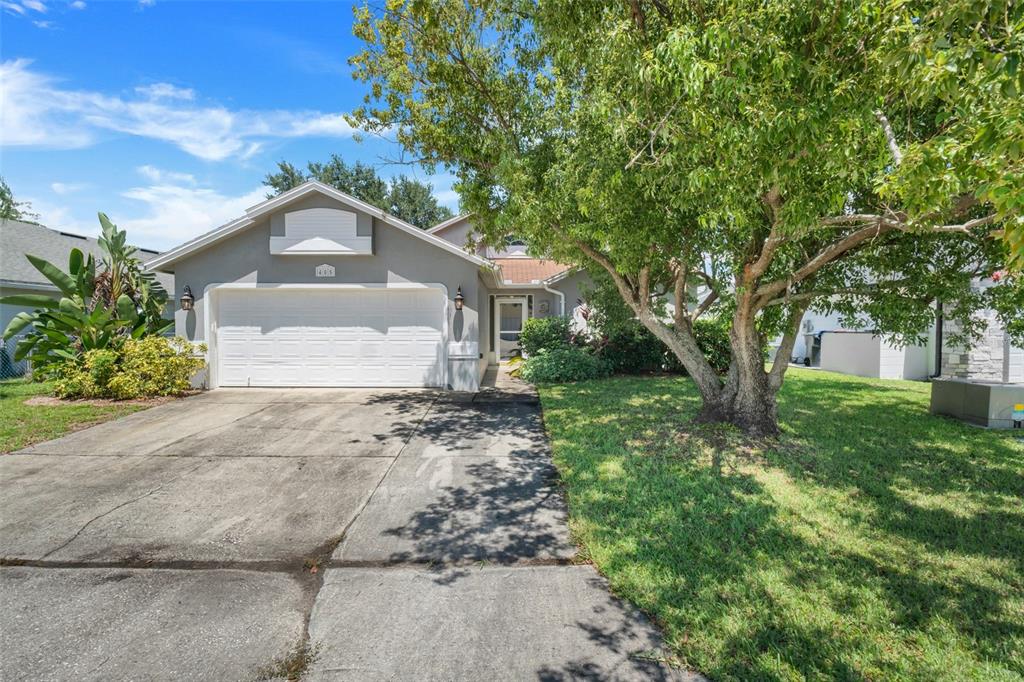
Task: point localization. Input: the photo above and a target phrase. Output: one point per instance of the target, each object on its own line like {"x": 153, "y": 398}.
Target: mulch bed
{"x": 99, "y": 402}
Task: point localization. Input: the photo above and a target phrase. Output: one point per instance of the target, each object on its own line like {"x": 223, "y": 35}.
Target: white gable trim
{"x": 268, "y": 206}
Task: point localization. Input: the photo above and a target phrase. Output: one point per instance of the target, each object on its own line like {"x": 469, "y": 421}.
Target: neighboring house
{"x": 19, "y": 276}
{"x": 317, "y": 288}
{"x": 993, "y": 358}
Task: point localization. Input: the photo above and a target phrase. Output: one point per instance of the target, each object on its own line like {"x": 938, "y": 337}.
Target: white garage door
{"x": 330, "y": 337}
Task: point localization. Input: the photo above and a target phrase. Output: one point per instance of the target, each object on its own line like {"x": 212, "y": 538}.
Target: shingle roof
{"x": 527, "y": 270}
{"x": 18, "y": 238}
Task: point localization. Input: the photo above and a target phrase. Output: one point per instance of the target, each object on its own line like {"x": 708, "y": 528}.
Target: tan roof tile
{"x": 528, "y": 270}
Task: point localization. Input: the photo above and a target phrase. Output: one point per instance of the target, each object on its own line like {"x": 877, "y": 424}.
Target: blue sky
{"x": 166, "y": 115}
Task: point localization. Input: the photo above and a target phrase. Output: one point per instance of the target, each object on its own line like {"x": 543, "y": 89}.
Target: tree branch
{"x": 782, "y": 355}
{"x": 644, "y": 286}
{"x": 825, "y": 256}
{"x": 654, "y": 135}
{"x": 708, "y": 301}
{"x": 890, "y": 138}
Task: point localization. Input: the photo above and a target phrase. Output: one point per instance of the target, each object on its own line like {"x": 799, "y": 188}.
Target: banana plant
{"x": 95, "y": 309}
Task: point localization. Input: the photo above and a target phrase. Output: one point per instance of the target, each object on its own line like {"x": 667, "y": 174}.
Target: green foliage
{"x": 712, "y": 336}
{"x": 404, "y": 197}
{"x": 630, "y": 348}
{"x": 878, "y": 542}
{"x": 563, "y": 363}
{"x": 544, "y": 333}
{"x": 139, "y": 368}
{"x": 740, "y": 144}
{"x": 11, "y": 208}
{"x": 98, "y": 308}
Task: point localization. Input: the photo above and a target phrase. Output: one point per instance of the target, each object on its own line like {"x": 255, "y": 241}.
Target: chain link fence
{"x": 9, "y": 369}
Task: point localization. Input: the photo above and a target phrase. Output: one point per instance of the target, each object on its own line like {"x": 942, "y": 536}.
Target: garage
{"x": 355, "y": 336}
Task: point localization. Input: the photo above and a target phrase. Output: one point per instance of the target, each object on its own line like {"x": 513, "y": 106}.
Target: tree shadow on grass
{"x": 798, "y": 559}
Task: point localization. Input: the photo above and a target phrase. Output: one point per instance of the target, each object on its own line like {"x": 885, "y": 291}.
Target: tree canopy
{"x": 406, "y": 198}
{"x": 11, "y": 208}
{"x": 863, "y": 156}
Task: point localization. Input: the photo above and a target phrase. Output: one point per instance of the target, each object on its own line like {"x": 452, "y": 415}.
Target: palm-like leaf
{"x": 95, "y": 309}
{"x": 62, "y": 281}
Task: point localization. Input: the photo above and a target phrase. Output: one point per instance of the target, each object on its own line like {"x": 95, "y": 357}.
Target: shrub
{"x": 712, "y": 336}
{"x": 632, "y": 348}
{"x": 146, "y": 367}
{"x": 561, "y": 364}
{"x": 544, "y": 333}
{"x": 102, "y": 303}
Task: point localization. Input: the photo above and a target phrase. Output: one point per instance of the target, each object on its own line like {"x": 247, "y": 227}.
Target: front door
{"x": 511, "y": 315}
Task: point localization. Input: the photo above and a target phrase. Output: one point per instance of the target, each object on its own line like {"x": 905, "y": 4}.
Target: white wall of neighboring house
{"x": 993, "y": 358}
{"x": 813, "y": 323}
{"x": 867, "y": 355}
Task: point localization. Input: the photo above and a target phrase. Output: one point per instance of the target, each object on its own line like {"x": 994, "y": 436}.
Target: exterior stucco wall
{"x": 866, "y": 355}
{"x": 484, "y": 315}
{"x": 457, "y": 233}
{"x": 398, "y": 258}
{"x": 574, "y": 288}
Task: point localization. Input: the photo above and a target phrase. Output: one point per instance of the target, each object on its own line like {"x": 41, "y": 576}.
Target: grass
{"x": 22, "y": 425}
{"x": 871, "y": 541}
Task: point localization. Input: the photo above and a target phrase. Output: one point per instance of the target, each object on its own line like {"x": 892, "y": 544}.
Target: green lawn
{"x": 22, "y": 425}
{"x": 873, "y": 541}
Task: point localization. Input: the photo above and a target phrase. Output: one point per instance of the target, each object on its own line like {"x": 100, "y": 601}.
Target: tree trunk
{"x": 747, "y": 400}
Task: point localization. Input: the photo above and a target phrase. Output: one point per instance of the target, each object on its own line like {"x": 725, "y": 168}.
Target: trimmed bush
{"x": 544, "y": 333}
{"x": 561, "y": 364}
{"x": 140, "y": 368}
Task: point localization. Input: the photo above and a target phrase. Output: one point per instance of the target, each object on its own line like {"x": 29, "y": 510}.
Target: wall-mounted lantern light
{"x": 459, "y": 299}
{"x": 187, "y": 299}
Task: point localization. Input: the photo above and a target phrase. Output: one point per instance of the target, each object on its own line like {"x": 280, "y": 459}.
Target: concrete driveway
{"x": 400, "y": 534}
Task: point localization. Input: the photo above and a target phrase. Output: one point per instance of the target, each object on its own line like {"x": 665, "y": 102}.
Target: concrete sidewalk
{"x": 397, "y": 534}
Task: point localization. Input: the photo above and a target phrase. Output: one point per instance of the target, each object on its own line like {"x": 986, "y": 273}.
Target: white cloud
{"x": 67, "y": 187}
{"x": 60, "y": 217}
{"x": 43, "y": 24}
{"x": 165, "y": 91}
{"x": 175, "y": 213}
{"x": 154, "y": 174}
{"x": 147, "y": 3}
{"x": 77, "y": 4}
{"x": 37, "y": 111}
{"x": 12, "y": 7}
{"x": 34, "y": 5}
{"x": 169, "y": 211}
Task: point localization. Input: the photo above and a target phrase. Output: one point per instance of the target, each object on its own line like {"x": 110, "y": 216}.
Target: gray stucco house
{"x": 314, "y": 287}
{"x": 18, "y": 276}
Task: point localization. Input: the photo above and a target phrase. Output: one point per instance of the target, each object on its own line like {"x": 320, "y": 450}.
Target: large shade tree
{"x": 860, "y": 156}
